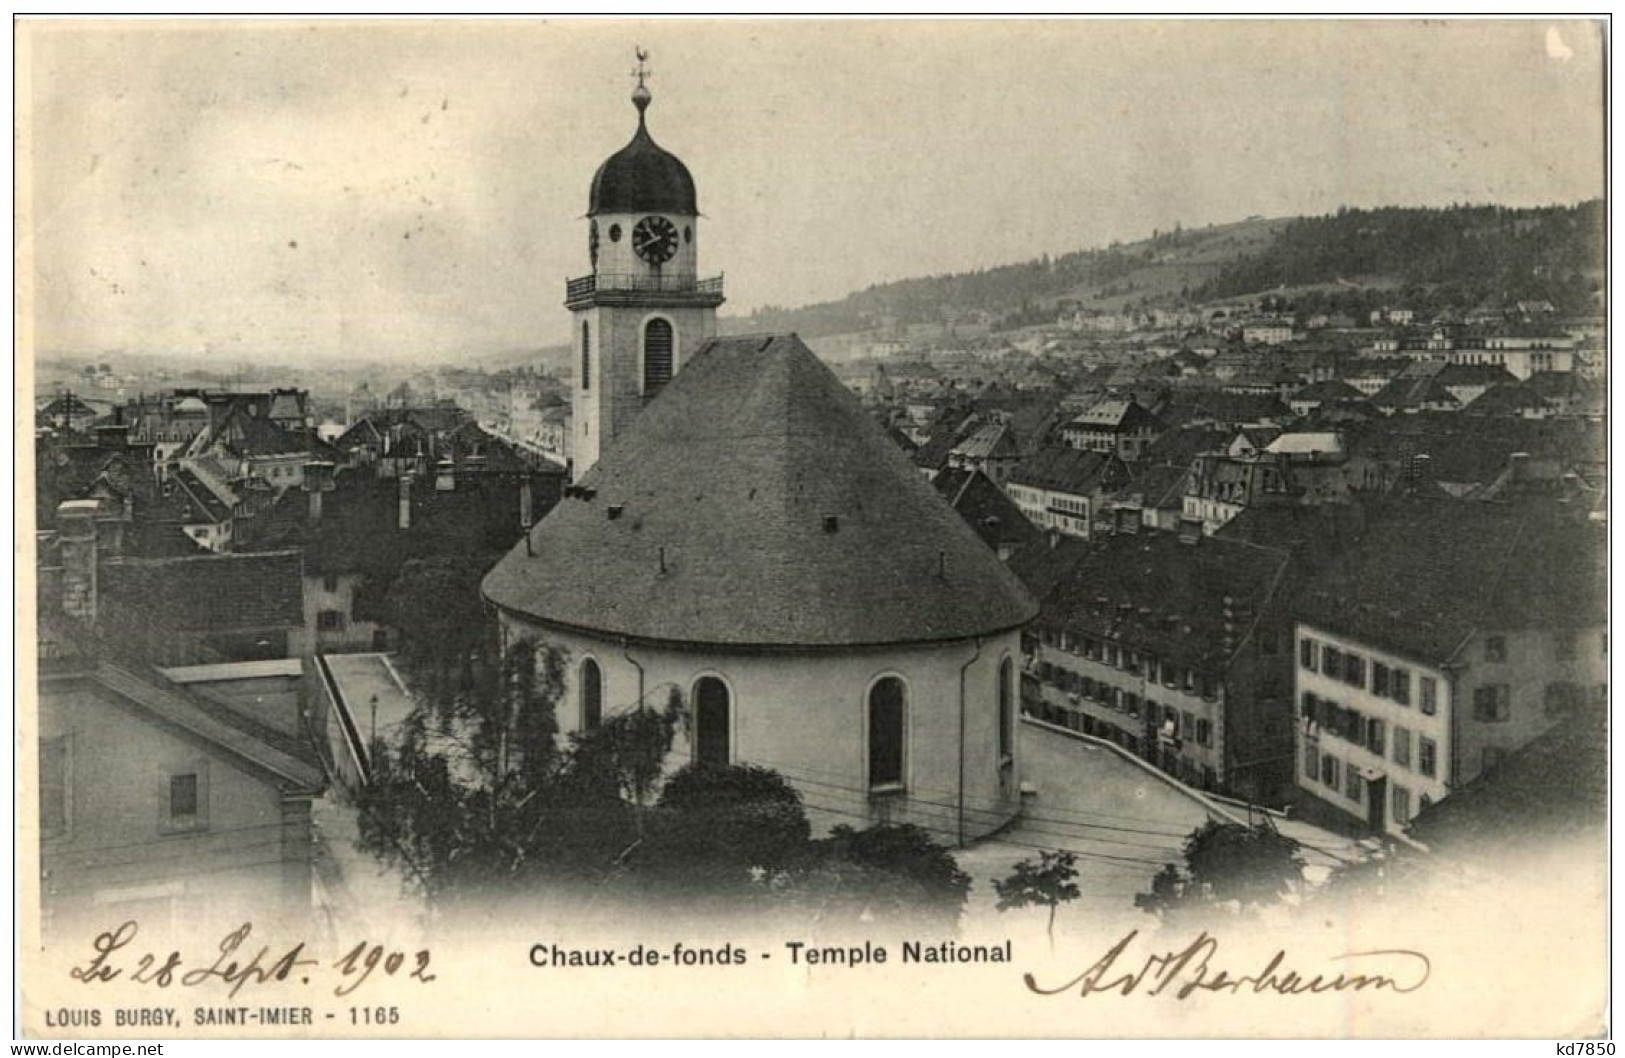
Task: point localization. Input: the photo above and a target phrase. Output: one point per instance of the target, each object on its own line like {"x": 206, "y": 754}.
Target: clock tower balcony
{"x": 611, "y": 288}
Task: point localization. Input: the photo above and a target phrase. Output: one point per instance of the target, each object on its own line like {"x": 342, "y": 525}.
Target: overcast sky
{"x": 309, "y": 191}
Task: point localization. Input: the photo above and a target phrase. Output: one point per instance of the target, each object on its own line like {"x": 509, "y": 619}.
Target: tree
{"x": 1227, "y": 863}
{"x": 455, "y": 801}
{"x": 1048, "y": 883}
{"x": 445, "y": 631}
{"x": 890, "y": 870}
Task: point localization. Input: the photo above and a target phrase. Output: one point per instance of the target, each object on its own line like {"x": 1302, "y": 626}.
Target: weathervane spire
{"x": 640, "y": 94}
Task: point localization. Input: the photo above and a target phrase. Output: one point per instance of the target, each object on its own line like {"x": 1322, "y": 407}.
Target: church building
{"x": 740, "y": 530}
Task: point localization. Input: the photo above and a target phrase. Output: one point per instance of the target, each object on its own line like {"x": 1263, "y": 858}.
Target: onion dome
{"x": 642, "y": 177}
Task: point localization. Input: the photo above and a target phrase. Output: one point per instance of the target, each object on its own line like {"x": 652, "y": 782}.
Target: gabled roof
{"x": 1556, "y": 786}
{"x": 1474, "y": 375}
{"x": 755, "y": 503}
{"x": 1427, "y": 576}
{"x": 1326, "y": 390}
{"x": 1074, "y": 470}
{"x": 1414, "y": 392}
{"x": 1507, "y": 399}
{"x": 286, "y": 758}
{"x": 985, "y": 507}
{"x": 987, "y": 442}
{"x": 207, "y": 592}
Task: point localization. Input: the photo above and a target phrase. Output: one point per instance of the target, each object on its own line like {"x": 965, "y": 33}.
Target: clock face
{"x": 655, "y": 240}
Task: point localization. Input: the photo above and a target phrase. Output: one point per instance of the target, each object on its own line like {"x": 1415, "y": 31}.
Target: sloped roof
{"x": 1412, "y": 392}
{"x": 1424, "y": 578}
{"x": 985, "y": 507}
{"x": 1556, "y": 785}
{"x": 1067, "y": 469}
{"x": 207, "y": 593}
{"x": 987, "y": 442}
{"x": 1509, "y": 398}
{"x": 1328, "y": 389}
{"x": 709, "y": 522}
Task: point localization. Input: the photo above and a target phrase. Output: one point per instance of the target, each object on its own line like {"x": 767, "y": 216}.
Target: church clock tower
{"x": 644, "y": 307}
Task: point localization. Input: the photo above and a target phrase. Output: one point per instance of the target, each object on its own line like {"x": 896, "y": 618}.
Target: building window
{"x": 1495, "y": 648}
{"x": 1492, "y": 703}
{"x": 1562, "y": 698}
{"x": 1400, "y": 686}
{"x": 1331, "y": 661}
{"x": 330, "y": 582}
{"x": 1306, "y": 653}
{"x": 711, "y": 721}
{"x": 1204, "y": 732}
{"x": 592, "y": 695}
{"x": 1354, "y": 670}
{"x": 1379, "y": 679}
{"x": 1311, "y": 761}
{"x": 657, "y": 356}
{"x": 886, "y": 733}
{"x": 1430, "y": 695}
{"x": 1427, "y": 757}
{"x": 586, "y": 355}
{"x": 1356, "y": 785}
{"x": 329, "y": 621}
{"x": 54, "y": 803}
{"x": 1374, "y": 740}
{"x": 1564, "y": 645}
{"x": 1402, "y": 746}
{"x": 1402, "y": 804}
{"x": 185, "y": 801}
{"x": 1329, "y": 770}
{"x": 1007, "y": 713}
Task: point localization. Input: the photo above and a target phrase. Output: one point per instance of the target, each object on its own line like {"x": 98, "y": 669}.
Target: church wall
{"x": 806, "y": 716}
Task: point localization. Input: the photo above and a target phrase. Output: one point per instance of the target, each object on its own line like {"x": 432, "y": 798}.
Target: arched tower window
{"x": 657, "y": 355}
{"x": 886, "y": 732}
{"x": 586, "y": 355}
{"x": 1007, "y": 712}
{"x": 592, "y": 695}
{"x": 711, "y": 721}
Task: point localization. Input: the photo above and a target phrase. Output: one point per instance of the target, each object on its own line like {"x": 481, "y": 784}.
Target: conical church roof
{"x": 754, "y": 503}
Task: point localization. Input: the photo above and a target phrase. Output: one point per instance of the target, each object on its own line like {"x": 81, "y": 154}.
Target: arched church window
{"x": 1007, "y": 712}
{"x": 592, "y": 695}
{"x": 711, "y": 721}
{"x": 586, "y": 355}
{"x": 886, "y": 703}
{"x": 657, "y": 349}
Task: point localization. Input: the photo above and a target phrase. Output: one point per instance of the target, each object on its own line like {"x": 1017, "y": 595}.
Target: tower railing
{"x": 657, "y": 284}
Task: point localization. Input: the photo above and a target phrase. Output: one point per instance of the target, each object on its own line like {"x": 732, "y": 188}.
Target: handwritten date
{"x": 236, "y": 965}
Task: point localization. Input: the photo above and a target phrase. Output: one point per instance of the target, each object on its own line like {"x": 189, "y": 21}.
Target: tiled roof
{"x": 986, "y": 442}
{"x": 1552, "y": 788}
{"x": 1067, "y": 469}
{"x": 1163, "y": 594}
{"x": 1507, "y": 399}
{"x": 1421, "y": 581}
{"x": 1473, "y": 375}
{"x": 985, "y": 507}
{"x": 206, "y": 593}
{"x": 756, "y": 503}
{"x": 1413, "y": 392}
{"x": 1328, "y": 389}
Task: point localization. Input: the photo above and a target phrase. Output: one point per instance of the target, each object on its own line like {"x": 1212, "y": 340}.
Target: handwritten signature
{"x": 1190, "y": 970}
{"x": 235, "y": 967}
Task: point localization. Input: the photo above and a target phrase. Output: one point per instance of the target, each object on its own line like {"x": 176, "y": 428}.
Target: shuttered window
{"x": 657, "y": 354}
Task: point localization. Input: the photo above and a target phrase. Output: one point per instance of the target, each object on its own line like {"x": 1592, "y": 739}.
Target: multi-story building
{"x": 1063, "y": 488}
{"x": 1444, "y": 640}
{"x": 1117, "y": 427}
{"x": 1171, "y": 646}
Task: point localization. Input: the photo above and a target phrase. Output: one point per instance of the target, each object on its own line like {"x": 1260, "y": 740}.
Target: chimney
{"x": 1190, "y": 531}
{"x": 318, "y": 479}
{"x": 404, "y": 522}
{"x": 445, "y": 475}
{"x": 76, "y": 531}
{"x": 526, "y": 502}
{"x": 1518, "y": 463}
{"x": 112, "y": 436}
